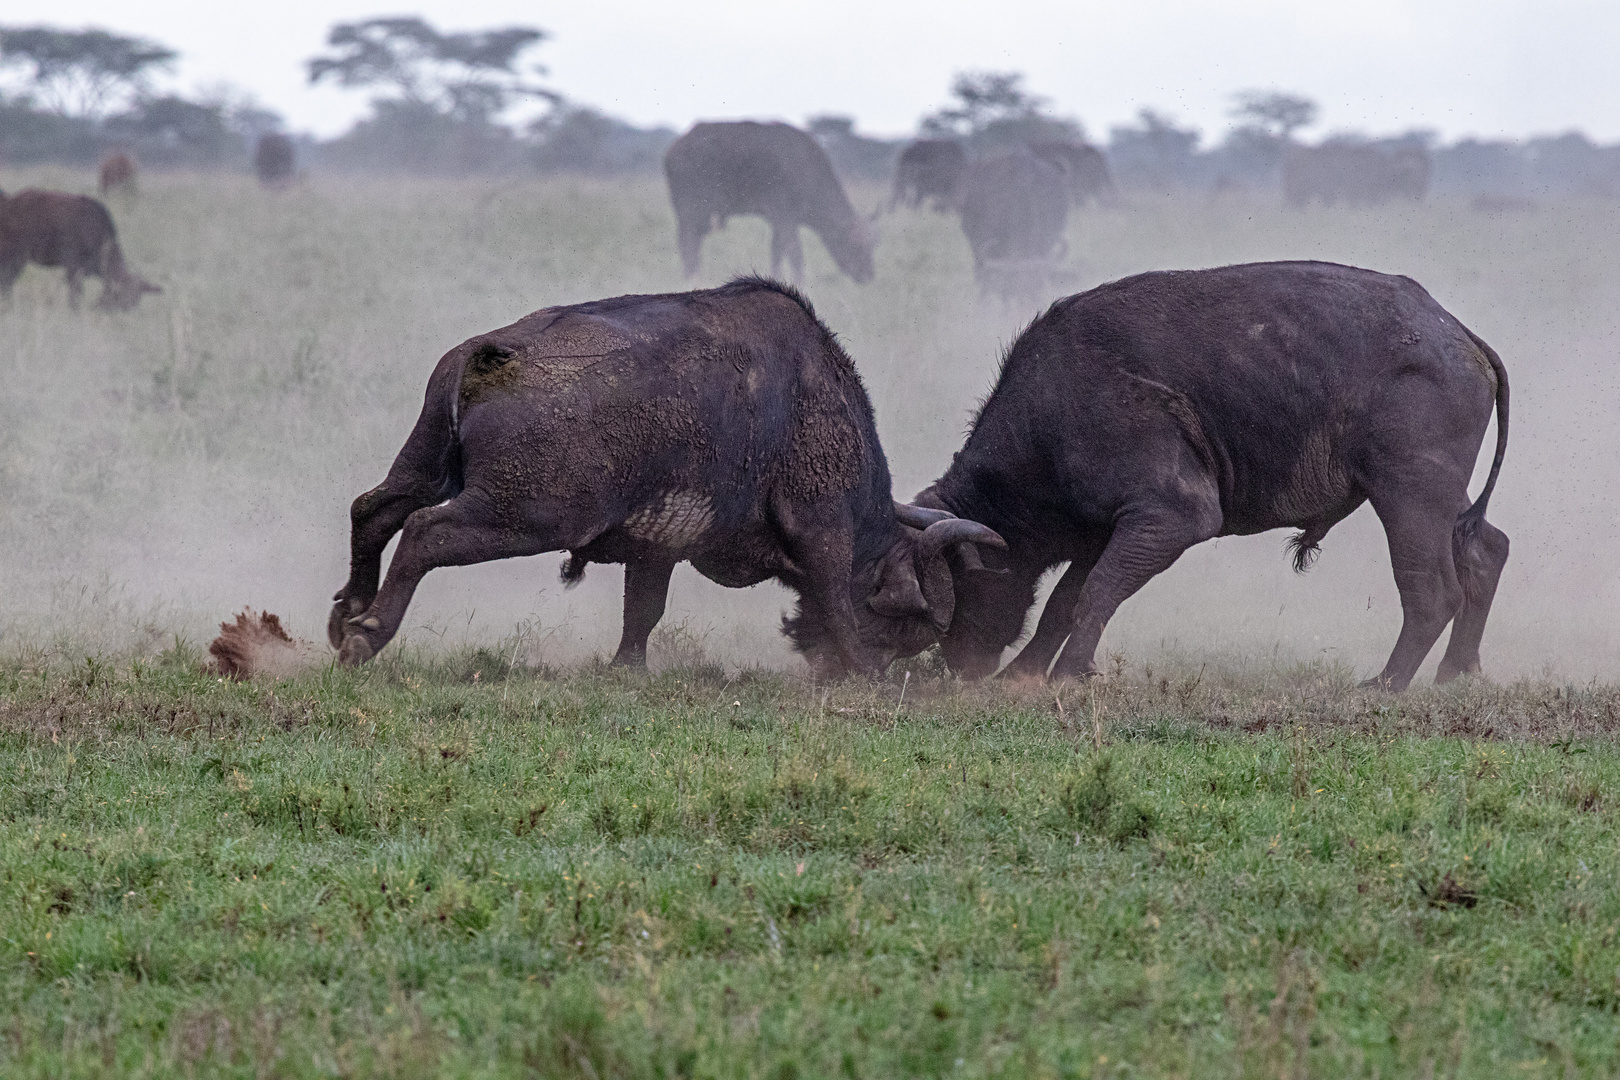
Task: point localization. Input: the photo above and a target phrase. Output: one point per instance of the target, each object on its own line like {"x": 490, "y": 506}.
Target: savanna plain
{"x": 485, "y": 854}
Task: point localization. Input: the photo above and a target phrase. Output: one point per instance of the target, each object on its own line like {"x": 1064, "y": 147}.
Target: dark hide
{"x": 1355, "y": 174}
{"x": 1083, "y": 166}
{"x": 1145, "y": 416}
{"x": 274, "y": 162}
{"x": 775, "y": 171}
{"x": 75, "y": 232}
{"x": 725, "y": 428}
{"x": 117, "y": 173}
{"x": 931, "y": 170}
{"x": 1014, "y": 209}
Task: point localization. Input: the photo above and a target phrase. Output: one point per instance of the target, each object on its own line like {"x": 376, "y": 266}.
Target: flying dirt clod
{"x": 257, "y": 644}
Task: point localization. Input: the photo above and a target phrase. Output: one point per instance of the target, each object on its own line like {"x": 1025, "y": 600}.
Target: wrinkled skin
{"x": 75, "y": 232}
{"x": 776, "y": 171}
{"x": 1148, "y": 415}
{"x": 724, "y": 427}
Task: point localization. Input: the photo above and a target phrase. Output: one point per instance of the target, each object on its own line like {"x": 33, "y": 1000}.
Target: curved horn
{"x": 956, "y": 531}
{"x": 919, "y": 517}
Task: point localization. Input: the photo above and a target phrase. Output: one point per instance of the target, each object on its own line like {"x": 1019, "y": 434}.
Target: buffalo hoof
{"x": 337, "y": 623}
{"x": 356, "y": 650}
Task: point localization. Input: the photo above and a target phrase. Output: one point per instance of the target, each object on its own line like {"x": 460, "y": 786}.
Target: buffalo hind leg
{"x": 1145, "y": 543}
{"x": 785, "y": 247}
{"x": 1057, "y": 619}
{"x": 75, "y": 284}
{"x": 460, "y": 532}
{"x": 1480, "y": 557}
{"x": 646, "y": 588}
{"x": 1418, "y": 525}
{"x": 374, "y": 519}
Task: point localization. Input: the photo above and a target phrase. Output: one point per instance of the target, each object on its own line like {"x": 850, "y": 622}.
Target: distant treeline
{"x": 445, "y": 103}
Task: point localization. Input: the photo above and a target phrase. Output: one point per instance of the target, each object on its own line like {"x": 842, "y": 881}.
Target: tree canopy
{"x": 468, "y": 75}
{"x": 85, "y": 73}
{"x": 1273, "y": 113}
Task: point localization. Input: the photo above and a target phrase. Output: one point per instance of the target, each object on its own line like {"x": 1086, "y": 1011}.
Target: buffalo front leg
{"x": 690, "y": 230}
{"x": 1480, "y": 554}
{"x": 785, "y": 247}
{"x": 646, "y": 588}
{"x": 460, "y": 532}
{"x": 1419, "y": 526}
{"x": 1145, "y": 543}
{"x": 75, "y": 284}
{"x": 374, "y": 519}
{"x": 1057, "y": 619}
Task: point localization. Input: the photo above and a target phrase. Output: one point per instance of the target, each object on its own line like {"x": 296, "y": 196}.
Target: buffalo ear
{"x": 899, "y": 595}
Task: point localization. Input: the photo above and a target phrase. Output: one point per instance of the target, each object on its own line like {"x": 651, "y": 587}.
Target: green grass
{"x": 444, "y": 866}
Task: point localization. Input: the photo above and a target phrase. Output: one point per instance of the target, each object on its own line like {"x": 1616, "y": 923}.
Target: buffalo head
{"x": 124, "y": 292}
{"x": 852, "y": 250}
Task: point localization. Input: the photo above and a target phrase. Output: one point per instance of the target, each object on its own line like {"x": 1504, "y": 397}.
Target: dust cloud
{"x": 163, "y": 467}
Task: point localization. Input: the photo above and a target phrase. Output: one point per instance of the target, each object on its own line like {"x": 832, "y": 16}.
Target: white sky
{"x": 1462, "y": 67}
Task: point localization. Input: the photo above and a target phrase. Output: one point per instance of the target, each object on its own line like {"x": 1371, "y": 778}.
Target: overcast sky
{"x": 1461, "y": 67}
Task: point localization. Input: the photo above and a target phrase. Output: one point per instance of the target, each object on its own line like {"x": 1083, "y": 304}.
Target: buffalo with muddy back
{"x": 1142, "y": 417}
{"x": 776, "y": 171}
{"x": 725, "y": 428}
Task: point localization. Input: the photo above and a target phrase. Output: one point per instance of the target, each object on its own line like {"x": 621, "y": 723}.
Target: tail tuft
{"x": 573, "y": 570}
{"x": 1306, "y": 546}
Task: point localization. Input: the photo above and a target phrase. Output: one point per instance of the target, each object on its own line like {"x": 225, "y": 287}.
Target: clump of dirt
{"x": 257, "y": 644}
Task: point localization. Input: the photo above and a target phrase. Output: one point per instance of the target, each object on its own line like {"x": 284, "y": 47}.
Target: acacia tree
{"x": 82, "y": 73}
{"x": 466, "y": 76}
{"x": 992, "y": 109}
{"x": 1272, "y": 113}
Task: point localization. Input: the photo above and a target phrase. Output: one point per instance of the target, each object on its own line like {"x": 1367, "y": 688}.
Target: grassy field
{"x": 443, "y": 866}
{"x": 484, "y": 855}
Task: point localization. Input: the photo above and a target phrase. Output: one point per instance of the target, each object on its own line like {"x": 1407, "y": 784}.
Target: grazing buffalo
{"x": 1082, "y": 165}
{"x": 1140, "y": 418}
{"x": 75, "y": 232}
{"x": 725, "y": 428}
{"x": 274, "y": 161}
{"x": 930, "y": 169}
{"x": 1014, "y": 208}
{"x": 1355, "y": 174}
{"x": 117, "y": 173}
{"x": 775, "y": 171}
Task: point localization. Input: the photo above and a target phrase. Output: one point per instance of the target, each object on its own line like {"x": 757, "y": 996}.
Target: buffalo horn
{"x": 956, "y": 531}
{"x": 919, "y": 517}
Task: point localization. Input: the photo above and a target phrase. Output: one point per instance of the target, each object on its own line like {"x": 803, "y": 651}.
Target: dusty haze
{"x": 161, "y": 469}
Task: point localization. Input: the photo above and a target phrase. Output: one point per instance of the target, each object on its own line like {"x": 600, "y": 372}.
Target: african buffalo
{"x": 1014, "y": 208}
{"x": 274, "y": 162}
{"x": 1140, "y": 418}
{"x": 1082, "y": 165}
{"x": 724, "y": 427}
{"x": 1355, "y": 174}
{"x": 930, "y": 169}
{"x": 75, "y": 232}
{"x": 775, "y": 171}
{"x": 117, "y": 173}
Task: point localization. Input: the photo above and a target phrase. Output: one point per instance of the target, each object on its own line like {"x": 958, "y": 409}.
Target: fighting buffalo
{"x": 1142, "y": 417}
{"x": 725, "y": 428}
